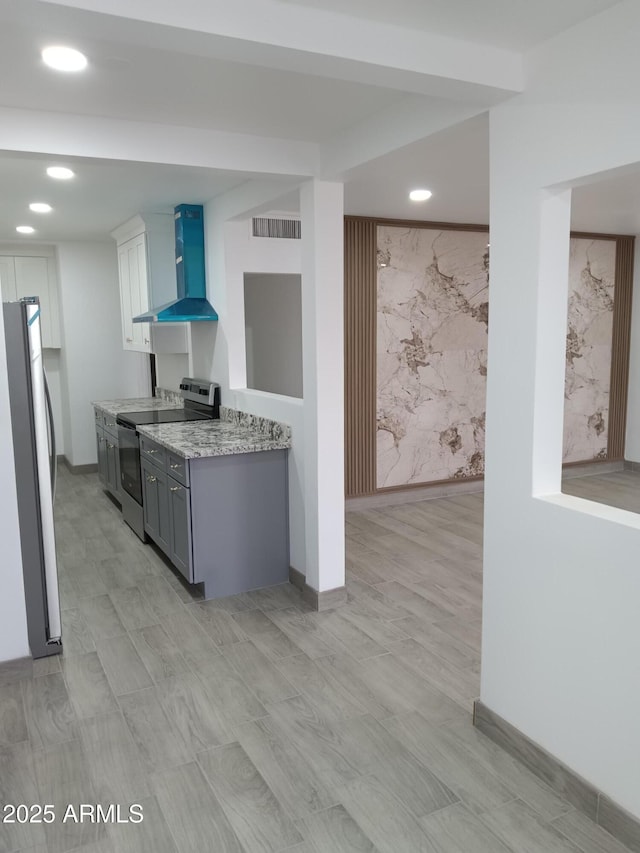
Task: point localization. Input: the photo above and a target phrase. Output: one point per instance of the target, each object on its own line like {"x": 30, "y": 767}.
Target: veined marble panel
{"x": 431, "y": 354}
{"x": 589, "y": 343}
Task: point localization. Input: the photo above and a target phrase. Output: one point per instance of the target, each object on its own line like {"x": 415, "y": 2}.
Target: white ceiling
{"x": 129, "y": 79}
{"x": 134, "y": 78}
{"x": 512, "y": 24}
{"x": 453, "y": 164}
{"x": 103, "y": 194}
{"x": 611, "y": 205}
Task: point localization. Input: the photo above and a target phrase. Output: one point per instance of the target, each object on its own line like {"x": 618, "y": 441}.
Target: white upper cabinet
{"x": 34, "y": 275}
{"x": 147, "y": 270}
{"x": 134, "y": 293}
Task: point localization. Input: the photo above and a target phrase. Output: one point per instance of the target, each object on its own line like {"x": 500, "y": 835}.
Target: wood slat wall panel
{"x": 360, "y": 300}
{"x": 620, "y": 347}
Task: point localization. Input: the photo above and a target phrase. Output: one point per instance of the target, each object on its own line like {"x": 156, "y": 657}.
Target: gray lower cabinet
{"x": 239, "y": 521}
{"x": 108, "y": 455}
{"x": 155, "y": 501}
{"x": 101, "y": 447}
{"x": 113, "y": 465}
{"x": 222, "y": 521}
{"x": 180, "y": 522}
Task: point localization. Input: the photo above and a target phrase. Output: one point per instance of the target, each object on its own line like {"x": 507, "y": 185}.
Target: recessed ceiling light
{"x": 40, "y": 207}
{"x": 60, "y": 172}
{"x": 64, "y": 58}
{"x": 25, "y": 229}
{"x": 420, "y": 195}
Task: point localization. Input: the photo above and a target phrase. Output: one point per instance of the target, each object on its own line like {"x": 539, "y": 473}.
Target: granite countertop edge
{"x": 234, "y": 433}
{"x": 208, "y": 442}
{"x": 134, "y": 404}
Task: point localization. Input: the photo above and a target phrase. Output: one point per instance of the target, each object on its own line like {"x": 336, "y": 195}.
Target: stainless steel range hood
{"x": 191, "y": 303}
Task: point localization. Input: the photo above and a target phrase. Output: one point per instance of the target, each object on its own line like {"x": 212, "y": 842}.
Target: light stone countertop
{"x": 134, "y": 404}
{"x": 199, "y": 439}
{"x": 236, "y": 432}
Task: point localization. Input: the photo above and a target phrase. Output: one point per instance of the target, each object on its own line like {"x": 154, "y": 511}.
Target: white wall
{"x": 289, "y": 411}
{"x": 632, "y": 441}
{"x": 561, "y": 631}
{"x": 93, "y": 364}
{"x": 316, "y": 466}
{"x": 322, "y": 220}
{"x": 273, "y": 333}
{"x": 316, "y": 459}
{"x": 203, "y": 347}
{"x": 170, "y": 369}
{"x": 14, "y": 642}
{"x": 230, "y": 253}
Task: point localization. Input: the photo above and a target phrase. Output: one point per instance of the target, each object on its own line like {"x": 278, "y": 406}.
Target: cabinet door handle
{"x": 174, "y": 465}
{"x": 110, "y": 446}
{"x": 150, "y": 452}
{"x": 175, "y": 488}
{"x": 146, "y": 340}
{"x": 151, "y": 479}
{"x": 110, "y": 424}
{"x": 129, "y": 340}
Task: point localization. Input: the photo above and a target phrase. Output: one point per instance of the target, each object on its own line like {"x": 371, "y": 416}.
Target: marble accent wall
{"x": 432, "y": 316}
{"x": 589, "y": 343}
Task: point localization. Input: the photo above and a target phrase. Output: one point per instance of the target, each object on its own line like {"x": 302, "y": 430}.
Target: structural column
{"x": 321, "y": 208}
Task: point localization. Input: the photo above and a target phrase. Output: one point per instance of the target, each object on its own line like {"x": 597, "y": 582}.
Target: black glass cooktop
{"x": 161, "y": 416}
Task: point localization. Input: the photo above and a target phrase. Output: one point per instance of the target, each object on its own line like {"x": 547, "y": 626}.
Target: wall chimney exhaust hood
{"x": 191, "y": 303}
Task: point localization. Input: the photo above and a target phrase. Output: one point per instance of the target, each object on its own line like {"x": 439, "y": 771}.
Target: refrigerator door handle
{"x": 52, "y": 438}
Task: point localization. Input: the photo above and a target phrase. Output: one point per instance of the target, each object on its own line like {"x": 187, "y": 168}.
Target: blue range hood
{"x": 191, "y": 304}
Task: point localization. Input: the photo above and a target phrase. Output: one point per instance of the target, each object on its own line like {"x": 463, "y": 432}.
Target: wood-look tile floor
{"x": 620, "y": 489}
{"x": 253, "y": 724}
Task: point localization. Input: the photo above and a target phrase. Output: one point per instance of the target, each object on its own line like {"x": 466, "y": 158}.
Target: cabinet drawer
{"x": 156, "y": 453}
{"x": 109, "y": 423}
{"x": 178, "y": 468}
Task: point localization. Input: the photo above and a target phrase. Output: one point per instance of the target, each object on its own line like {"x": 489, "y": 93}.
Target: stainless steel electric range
{"x": 201, "y": 402}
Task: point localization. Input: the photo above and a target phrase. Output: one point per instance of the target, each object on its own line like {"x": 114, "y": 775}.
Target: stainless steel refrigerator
{"x": 35, "y": 463}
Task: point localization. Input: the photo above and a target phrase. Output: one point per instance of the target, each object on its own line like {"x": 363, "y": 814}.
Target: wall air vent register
{"x": 280, "y": 227}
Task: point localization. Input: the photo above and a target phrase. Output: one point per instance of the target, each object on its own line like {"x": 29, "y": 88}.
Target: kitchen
{"x": 226, "y": 146}
{"x": 143, "y": 666}
{"x": 128, "y": 620}
{"x": 153, "y": 261}
{"x": 104, "y": 356}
